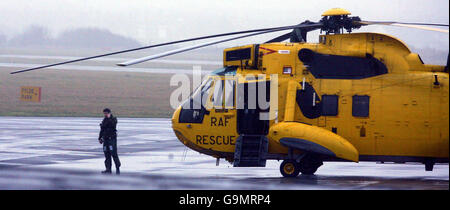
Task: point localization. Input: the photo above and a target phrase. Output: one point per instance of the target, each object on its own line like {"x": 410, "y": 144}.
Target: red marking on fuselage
{"x": 267, "y": 53}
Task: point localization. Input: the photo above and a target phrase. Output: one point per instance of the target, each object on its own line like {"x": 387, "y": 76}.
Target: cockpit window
{"x": 224, "y": 93}
{"x": 228, "y": 70}
{"x": 218, "y": 93}
{"x": 201, "y": 94}
{"x": 230, "y": 92}
{"x": 193, "y": 111}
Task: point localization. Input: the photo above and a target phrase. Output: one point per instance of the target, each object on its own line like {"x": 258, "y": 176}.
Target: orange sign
{"x": 31, "y": 94}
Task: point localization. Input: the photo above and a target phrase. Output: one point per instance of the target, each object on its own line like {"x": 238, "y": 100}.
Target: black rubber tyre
{"x": 309, "y": 164}
{"x": 429, "y": 163}
{"x": 289, "y": 168}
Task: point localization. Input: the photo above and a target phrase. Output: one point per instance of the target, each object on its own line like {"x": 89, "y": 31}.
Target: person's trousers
{"x": 110, "y": 150}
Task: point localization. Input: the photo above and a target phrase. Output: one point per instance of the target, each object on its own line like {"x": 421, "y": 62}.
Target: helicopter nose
{"x": 185, "y": 134}
{"x": 178, "y": 129}
{"x": 176, "y": 116}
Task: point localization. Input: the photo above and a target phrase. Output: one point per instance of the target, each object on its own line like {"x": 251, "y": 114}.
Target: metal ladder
{"x": 251, "y": 151}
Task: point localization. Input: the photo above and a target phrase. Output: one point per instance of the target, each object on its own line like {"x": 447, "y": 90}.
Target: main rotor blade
{"x": 159, "y": 45}
{"x": 404, "y": 23}
{"x": 184, "y": 49}
{"x": 302, "y": 32}
{"x": 422, "y": 26}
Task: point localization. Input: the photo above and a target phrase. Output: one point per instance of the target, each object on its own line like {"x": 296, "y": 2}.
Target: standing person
{"x": 108, "y": 137}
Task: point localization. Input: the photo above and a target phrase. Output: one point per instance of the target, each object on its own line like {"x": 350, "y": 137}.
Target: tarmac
{"x": 63, "y": 153}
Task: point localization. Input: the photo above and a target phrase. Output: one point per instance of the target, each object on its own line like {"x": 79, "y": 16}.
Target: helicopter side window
{"x": 330, "y": 105}
{"x": 325, "y": 66}
{"x": 360, "y": 106}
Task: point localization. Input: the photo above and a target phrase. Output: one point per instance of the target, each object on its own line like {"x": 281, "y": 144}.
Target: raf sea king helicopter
{"x": 349, "y": 97}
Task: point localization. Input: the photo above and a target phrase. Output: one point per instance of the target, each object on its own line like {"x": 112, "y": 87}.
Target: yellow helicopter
{"x": 349, "y": 97}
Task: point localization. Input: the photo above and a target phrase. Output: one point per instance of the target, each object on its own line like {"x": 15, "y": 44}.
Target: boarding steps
{"x": 251, "y": 151}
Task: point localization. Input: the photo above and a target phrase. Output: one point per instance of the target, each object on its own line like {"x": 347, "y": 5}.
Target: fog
{"x": 128, "y": 23}
{"x": 37, "y": 36}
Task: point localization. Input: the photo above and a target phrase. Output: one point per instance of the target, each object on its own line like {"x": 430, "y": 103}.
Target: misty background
{"x": 117, "y": 24}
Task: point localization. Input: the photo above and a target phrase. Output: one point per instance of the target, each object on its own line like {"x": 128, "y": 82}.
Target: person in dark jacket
{"x": 108, "y": 137}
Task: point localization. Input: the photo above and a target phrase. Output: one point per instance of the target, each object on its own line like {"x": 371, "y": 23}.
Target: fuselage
{"x": 372, "y": 91}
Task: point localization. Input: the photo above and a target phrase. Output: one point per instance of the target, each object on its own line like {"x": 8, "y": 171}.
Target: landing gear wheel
{"x": 429, "y": 163}
{"x": 289, "y": 168}
{"x": 309, "y": 164}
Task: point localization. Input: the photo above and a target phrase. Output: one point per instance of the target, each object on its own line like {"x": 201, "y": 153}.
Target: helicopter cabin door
{"x": 252, "y": 125}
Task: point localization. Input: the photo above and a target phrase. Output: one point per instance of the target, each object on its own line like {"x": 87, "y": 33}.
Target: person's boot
{"x": 117, "y": 170}
{"x": 106, "y": 171}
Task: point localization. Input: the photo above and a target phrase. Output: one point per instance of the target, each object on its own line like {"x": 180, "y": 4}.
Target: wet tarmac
{"x": 63, "y": 153}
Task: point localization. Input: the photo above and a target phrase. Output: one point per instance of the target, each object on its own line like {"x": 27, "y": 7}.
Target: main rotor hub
{"x": 337, "y": 19}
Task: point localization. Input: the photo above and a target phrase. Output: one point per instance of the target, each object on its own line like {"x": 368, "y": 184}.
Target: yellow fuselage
{"x": 408, "y": 106}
